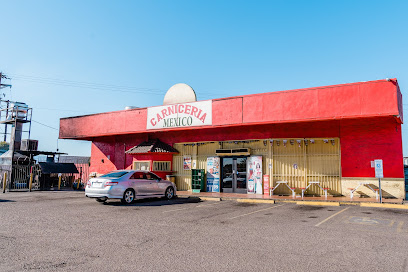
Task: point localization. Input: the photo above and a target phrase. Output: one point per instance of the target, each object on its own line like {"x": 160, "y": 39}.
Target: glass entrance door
{"x": 234, "y": 175}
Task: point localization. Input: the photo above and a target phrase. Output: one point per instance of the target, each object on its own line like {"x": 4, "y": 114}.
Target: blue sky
{"x": 70, "y": 58}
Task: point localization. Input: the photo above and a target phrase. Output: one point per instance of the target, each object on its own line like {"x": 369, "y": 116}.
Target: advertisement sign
{"x": 180, "y": 115}
{"x": 266, "y": 184}
{"x": 213, "y": 174}
{"x": 254, "y": 175}
{"x": 187, "y": 162}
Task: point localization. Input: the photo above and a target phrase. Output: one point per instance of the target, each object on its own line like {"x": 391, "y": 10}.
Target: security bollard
{"x": 4, "y": 182}
{"x": 59, "y": 181}
{"x": 31, "y": 182}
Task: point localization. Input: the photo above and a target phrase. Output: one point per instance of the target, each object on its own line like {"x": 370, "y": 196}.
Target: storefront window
{"x": 161, "y": 166}
{"x": 141, "y": 165}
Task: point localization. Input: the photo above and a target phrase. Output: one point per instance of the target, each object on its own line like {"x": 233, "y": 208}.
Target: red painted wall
{"x": 100, "y": 151}
{"x": 365, "y": 141}
{"x": 115, "y": 149}
{"x": 363, "y": 99}
{"x": 151, "y": 157}
{"x": 361, "y": 140}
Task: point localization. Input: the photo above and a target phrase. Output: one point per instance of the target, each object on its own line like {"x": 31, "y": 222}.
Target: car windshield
{"x": 114, "y": 174}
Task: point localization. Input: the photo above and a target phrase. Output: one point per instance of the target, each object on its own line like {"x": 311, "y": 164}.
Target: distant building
{"x": 81, "y": 163}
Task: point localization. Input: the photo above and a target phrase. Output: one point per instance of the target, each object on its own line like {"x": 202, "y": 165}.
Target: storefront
{"x": 242, "y": 164}
{"x": 327, "y": 134}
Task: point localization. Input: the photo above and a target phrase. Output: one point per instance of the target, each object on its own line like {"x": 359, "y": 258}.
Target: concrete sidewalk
{"x": 319, "y": 201}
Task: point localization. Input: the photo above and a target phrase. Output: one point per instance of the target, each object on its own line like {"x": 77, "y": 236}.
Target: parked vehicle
{"x": 129, "y": 185}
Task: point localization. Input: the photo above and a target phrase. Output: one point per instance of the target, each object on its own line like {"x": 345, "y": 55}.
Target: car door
{"x": 154, "y": 185}
{"x": 140, "y": 184}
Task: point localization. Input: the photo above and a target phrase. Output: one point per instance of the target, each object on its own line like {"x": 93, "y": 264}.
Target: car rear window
{"x": 114, "y": 174}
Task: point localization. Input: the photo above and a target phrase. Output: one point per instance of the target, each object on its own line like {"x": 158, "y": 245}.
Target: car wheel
{"x": 128, "y": 196}
{"x": 169, "y": 193}
{"x": 102, "y": 200}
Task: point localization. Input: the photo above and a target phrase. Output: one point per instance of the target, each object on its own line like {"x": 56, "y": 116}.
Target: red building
{"x": 327, "y": 134}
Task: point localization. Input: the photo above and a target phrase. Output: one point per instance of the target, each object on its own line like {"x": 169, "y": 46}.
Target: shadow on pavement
{"x": 153, "y": 202}
{"x": 6, "y": 200}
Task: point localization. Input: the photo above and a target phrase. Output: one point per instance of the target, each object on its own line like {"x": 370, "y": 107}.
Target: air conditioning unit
{"x": 233, "y": 152}
{"x": 29, "y": 145}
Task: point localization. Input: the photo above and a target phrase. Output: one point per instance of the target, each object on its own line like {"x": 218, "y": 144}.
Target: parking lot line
{"x": 176, "y": 210}
{"x": 205, "y": 205}
{"x": 255, "y": 211}
{"x": 198, "y": 206}
{"x": 331, "y": 216}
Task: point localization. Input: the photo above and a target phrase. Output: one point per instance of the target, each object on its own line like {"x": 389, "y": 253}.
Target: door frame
{"x": 234, "y": 188}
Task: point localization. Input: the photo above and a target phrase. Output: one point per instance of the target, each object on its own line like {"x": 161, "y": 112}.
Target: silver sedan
{"x": 129, "y": 185}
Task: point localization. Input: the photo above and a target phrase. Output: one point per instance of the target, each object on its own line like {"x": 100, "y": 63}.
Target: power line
{"x": 84, "y": 112}
{"x": 44, "y": 125}
{"x": 57, "y": 80}
{"x": 96, "y": 86}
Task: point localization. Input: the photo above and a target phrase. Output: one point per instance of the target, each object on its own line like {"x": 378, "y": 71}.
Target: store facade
{"x": 247, "y": 144}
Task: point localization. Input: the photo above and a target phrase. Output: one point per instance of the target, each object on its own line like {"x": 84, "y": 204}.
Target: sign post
{"x": 378, "y": 165}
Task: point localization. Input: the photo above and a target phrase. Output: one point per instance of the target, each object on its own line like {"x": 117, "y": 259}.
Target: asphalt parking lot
{"x": 64, "y": 231}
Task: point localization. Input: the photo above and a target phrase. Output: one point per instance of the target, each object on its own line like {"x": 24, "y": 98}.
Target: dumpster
{"x": 197, "y": 180}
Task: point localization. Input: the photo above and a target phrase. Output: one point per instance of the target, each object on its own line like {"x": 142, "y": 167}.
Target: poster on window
{"x": 254, "y": 175}
{"x": 213, "y": 174}
{"x": 187, "y": 162}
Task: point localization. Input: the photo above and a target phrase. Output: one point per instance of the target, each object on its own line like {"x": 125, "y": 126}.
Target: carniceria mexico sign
{"x": 180, "y": 115}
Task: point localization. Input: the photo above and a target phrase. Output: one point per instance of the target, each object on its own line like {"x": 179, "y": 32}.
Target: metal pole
{"x": 29, "y": 129}
{"x": 79, "y": 180}
{"x": 13, "y": 143}
{"x": 379, "y": 189}
{"x": 80, "y": 177}
{"x": 5, "y": 124}
{"x": 124, "y": 159}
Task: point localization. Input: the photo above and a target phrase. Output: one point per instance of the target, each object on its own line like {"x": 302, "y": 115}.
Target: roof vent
{"x": 130, "y": 107}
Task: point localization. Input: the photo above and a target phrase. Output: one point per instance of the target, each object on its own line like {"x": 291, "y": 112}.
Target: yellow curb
{"x": 256, "y": 200}
{"x": 384, "y": 205}
{"x": 209, "y": 198}
{"x": 350, "y": 203}
{"x": 318, "y": 203}
{"x": 286, "y": 201}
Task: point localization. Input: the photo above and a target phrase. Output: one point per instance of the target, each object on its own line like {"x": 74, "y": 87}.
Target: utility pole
{"x": 5, "y": 77}
{"x": 1, "y": 87}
